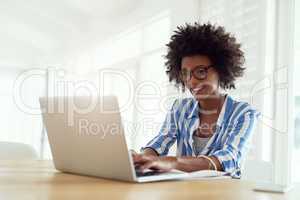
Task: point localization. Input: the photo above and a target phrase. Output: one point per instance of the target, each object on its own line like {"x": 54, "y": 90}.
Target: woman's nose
{"x": 193, "y": 82}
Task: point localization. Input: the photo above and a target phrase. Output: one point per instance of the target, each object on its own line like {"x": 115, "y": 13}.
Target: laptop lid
{"x": 86, "y": 136}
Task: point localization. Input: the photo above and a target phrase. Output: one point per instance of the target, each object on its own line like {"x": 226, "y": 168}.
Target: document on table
{"x": 207, "y": 174}
{"x": 198, "y": 175}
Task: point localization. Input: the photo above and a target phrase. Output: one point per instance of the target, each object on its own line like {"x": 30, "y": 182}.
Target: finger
{"x": 137, "y": 158}
{"x": 162, "y": 170}
{"x": 134, "y": 156}
{"x": 141, "y": 158}
{"x": 147, "y": 165}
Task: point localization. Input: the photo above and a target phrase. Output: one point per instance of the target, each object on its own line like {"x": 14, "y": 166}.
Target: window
{"x": 246, "y": 20}
{"x": 296, "y": 152}
{"x": 145, "y": 65}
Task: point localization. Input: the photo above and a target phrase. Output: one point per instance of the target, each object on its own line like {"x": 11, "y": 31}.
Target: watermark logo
{"x": 143, "y": 98}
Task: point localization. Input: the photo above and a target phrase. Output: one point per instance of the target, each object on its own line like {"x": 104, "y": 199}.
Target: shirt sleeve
{"x": 233, "y": 151}
{"x": 167, "y": 134}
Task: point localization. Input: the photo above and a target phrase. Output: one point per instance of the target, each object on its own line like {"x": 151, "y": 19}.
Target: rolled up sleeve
{"x": 167, "y": 134}
{"x": 236, "y": 144}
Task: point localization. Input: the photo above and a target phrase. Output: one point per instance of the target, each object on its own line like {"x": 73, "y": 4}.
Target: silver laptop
{"x": 86, "y": 137}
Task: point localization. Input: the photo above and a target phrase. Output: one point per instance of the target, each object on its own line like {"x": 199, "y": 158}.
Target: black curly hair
{"x": 208, "y": 40}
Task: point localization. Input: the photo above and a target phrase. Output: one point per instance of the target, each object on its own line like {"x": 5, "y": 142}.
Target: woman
{"x": 212, "y": 130}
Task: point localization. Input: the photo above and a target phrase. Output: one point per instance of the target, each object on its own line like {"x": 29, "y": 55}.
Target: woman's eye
{"x": 200, "y": 72}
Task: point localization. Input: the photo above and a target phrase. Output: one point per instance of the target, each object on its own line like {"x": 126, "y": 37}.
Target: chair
{"x": 15, "y": 151}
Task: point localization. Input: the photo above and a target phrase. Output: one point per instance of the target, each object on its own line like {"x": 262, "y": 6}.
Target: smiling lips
{"x": 197, "y": 90}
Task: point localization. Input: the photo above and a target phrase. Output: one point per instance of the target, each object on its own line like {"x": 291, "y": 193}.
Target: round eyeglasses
{"x": 200, "y": 73}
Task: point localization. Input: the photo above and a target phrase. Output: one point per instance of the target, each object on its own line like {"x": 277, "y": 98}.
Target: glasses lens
{"x": 200, "y": 73}
{"x": 184, "y": 75}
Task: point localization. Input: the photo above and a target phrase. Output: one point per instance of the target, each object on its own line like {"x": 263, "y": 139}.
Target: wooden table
{"x": 38, "y": 180}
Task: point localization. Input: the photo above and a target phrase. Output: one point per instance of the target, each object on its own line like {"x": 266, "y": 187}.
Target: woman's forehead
{"x": 190, "y": 62}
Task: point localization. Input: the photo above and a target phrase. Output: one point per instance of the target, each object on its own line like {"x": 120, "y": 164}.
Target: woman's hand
{"x": 167, "y": 163}
{"x": 161, "y": 164}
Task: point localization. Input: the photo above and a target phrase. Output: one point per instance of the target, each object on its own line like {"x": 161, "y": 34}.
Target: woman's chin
{"x": 201, "y": 96}
{"x": 204, "y": 96}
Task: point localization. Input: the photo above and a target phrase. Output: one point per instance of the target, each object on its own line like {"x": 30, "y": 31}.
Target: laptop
{"x": 86, "y": 137}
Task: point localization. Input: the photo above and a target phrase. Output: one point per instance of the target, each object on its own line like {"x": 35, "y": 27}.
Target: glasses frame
{"x": 191, "y": 73}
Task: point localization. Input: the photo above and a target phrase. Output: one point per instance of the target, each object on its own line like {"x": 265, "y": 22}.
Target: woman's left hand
{"x": 162, "y": 164}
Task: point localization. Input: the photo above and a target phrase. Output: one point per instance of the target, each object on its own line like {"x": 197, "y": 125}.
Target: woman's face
{"x": 199, "y": 76}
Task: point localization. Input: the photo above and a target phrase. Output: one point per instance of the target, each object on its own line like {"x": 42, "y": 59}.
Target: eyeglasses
{"x": 200, "y": 73}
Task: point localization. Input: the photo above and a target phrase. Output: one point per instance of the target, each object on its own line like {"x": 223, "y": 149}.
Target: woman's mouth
{"x": 197, "y": 90}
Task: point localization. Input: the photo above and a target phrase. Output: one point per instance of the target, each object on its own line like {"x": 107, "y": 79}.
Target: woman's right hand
{"x": 138, "y": 157}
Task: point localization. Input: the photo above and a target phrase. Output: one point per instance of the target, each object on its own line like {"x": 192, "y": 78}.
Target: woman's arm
{"x": 149, "y": 152}
{"x": 190, "y": 164}
{"x": 167, "y": 163}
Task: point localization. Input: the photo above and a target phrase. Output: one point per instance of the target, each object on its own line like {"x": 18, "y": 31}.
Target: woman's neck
{"x": 211, "y": 105}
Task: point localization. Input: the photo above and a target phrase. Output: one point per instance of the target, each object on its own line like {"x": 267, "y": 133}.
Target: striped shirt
{"x": 229, "y": 143}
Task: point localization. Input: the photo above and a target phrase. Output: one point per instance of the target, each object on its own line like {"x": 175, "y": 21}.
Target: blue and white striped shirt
{"x": 229, "y": 143}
